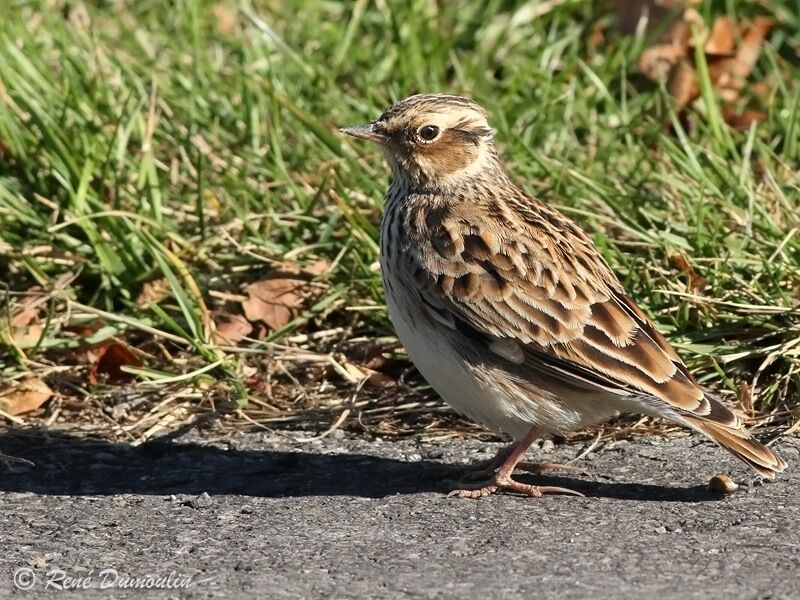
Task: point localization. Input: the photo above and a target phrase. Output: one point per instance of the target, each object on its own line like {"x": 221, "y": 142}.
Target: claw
{"x": 549, "y": 489}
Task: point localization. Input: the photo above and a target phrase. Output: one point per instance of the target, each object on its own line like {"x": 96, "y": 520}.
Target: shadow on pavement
{"x": 69, "y": 465}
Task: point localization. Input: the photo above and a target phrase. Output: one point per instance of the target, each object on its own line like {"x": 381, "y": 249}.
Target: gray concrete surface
{"x": 260, "y": 516}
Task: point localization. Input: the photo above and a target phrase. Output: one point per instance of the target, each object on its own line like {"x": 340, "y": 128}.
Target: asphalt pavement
{"x": 260, "y": 515}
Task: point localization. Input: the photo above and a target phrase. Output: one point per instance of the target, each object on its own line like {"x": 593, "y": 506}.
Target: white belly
{"x": 484, "y": 396}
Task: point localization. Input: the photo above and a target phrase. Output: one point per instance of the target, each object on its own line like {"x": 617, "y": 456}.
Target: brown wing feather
{"x": 738, "y": 442}
{"x": 541, "y": 283}
{"x": 534, "y": 279}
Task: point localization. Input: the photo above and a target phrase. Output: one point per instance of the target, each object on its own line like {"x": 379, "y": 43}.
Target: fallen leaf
{"x": 23, "y": 316}
{"x": 729, "y": 74}
{"x": 668, "y": 58}
{"x": 742, "y": 120}
{"x": 28, "y": 337}
{"x": 108, "y": 359}
{"x": 731, "y": 51}
{"x": 276, "y": 301}
{"x": 318, "y": 268}
{"x": 695, "y": 282}
{"x": 25, "y": 324}
{"x": 658, "y": 60}
{"x": 26, "y": 396}
{"x": 230, "y": 329}
{"x": 720, "y": 41}
{"x": 369, "y": 353}
{"x": 683, "y": 84}
{"x": 153, "y": 291}
{"x": 104, "y": 357}
{"x": 379, "y": 380}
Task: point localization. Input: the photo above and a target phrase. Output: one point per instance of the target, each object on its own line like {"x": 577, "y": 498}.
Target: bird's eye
{"x": 428, "y": 133}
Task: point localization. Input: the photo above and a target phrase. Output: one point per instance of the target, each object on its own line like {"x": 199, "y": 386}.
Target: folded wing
{"x": 539, "y": 295}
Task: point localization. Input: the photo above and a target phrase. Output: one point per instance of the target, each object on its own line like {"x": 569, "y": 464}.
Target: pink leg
{"x": 502, "y": 479}
{"x": 483, "y": 468}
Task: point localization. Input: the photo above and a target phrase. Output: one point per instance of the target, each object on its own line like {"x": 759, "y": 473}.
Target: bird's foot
{"x": 505, "y": 483}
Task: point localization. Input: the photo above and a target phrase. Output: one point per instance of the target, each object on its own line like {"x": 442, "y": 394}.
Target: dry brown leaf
{"x": 753, "y": 35}
{"x": 26, "y": 396}
{"x": 230, "y": 329}
{"x": 153, "y": 291}
{"x": 672, "y": 56}
{"x": 25, "y": 324}
{"x": 29, "y": 335}
{"x": 721, "y": 40}
{"x": 380, "y": 380}
{"x": 108, "y": 359}
{"x": 276, "y": 301}
{"x": 672, "y": 48}
{"x": 370, "y": 354}
{"x": 658, "y": 60}
{"x": 729, "y": 74}
{"x": 742, "y": 120}
{"x": 683, "y": 84}
{"x": 24, "y": 314}
{"x": 695, "y": 283}
{"x": 318, "y": 268}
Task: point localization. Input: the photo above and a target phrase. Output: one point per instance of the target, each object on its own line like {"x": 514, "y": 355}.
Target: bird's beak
{"x": 367, "y": 132}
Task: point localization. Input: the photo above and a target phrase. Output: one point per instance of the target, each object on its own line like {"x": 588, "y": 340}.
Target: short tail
{"x": 738, "y": 442}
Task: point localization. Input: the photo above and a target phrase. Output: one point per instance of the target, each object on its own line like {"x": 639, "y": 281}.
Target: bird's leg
{"x": 502, "y": 479}
{"x": 483, "y": 468}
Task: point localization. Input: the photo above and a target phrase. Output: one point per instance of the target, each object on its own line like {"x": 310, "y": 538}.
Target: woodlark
{"x": 506, "y": 307}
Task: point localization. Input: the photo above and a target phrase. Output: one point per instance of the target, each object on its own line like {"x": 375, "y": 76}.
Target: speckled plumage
{"x": 505, "y": 305}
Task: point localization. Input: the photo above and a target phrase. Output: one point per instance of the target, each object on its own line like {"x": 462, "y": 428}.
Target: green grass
{"x": 198, "y": 143}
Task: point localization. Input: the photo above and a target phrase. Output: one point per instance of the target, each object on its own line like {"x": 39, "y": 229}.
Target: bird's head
{"x": 432, "y": 139}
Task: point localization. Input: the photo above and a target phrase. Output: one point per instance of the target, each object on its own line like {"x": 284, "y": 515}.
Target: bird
{"x": 507, "y": 308}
